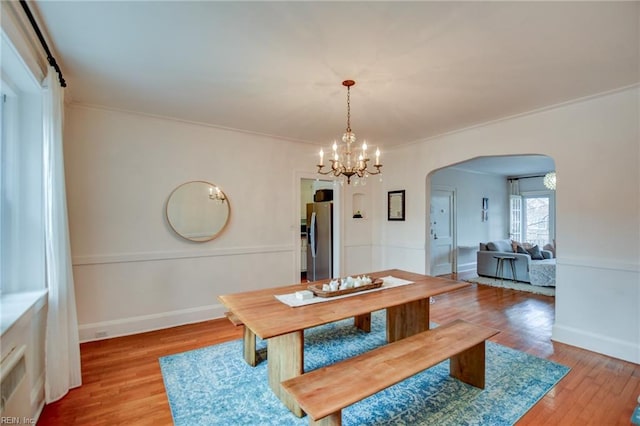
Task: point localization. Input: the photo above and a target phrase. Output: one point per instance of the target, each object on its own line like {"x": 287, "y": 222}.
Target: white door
{"x": 442, "y": 231}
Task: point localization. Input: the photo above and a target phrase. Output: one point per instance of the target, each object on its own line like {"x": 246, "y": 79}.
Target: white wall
{"x": 357, "y": 232}
{"x": 471, "y": 230}
{"x": 132, "y": 273}
{"x": 595, "y": 145}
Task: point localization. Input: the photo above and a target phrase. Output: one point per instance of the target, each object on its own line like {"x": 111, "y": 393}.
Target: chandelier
{"x": 550, "y": 180}
{"x": 348, "y": 160}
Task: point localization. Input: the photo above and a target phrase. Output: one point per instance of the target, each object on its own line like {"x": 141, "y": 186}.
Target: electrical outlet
{"x": 100, "y": 334}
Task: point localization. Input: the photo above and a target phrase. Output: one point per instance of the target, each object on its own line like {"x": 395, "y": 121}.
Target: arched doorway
{"x": 481, "y": 206}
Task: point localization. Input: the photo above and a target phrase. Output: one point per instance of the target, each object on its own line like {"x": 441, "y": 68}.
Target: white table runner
{"x": 291, "y": 299}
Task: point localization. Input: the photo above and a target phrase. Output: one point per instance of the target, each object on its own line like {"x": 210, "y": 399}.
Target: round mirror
{"x": 198, "y": 210}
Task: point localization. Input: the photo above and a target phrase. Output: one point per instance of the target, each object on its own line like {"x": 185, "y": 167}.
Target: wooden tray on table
{"x": 317, "y": 289}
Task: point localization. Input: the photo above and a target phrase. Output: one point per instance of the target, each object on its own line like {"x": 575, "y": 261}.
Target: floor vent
{"x": 14, "y": 389}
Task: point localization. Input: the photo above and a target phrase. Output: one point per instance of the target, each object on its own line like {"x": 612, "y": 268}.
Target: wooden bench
{"x": 251, "y": 355}
{"x": 324, "y": 392}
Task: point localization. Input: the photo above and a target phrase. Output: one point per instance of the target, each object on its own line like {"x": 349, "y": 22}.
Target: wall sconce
{"x": 216, "y": 195}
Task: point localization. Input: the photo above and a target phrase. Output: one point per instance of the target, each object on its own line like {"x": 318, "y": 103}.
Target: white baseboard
{"x": 468, "y": 267}
{"x": 616, "y": 348}
{"x": 37, "y": 397}
{"x": 141, "y": 324}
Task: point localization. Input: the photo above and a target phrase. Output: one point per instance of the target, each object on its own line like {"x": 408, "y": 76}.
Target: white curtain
{"x": 62, "y": 353}
{"x": 514, "y": 187}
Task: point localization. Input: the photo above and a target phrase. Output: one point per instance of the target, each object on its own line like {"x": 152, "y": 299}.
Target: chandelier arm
{"x": 377, "y": 172}
{"x": 323, "y": 173}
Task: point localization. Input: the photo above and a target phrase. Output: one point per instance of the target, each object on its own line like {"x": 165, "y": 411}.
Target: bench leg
{"x": 334, "y": 419}
{"x": 286, "y": 360}
{"x": 363, "y": 322}
{"x": 407, "y": 320}
{"x": 469, "y": 366}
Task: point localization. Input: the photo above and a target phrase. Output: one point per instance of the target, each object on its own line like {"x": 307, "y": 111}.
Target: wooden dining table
{"x": 282, "y": 326}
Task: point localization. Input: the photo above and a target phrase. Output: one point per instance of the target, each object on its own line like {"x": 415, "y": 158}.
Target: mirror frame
{"x": 171, "y": 225}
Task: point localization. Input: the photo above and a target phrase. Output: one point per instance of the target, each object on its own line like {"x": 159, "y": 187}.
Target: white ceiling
{"x": 422, "y": 68}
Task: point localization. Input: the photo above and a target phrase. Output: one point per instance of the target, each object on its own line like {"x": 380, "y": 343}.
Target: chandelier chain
{"x": 348, "y": 109}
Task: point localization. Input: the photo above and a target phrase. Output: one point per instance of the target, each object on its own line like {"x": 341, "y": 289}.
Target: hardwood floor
{"x": 123, "y": 383}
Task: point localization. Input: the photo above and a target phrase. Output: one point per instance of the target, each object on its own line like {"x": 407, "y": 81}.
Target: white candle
{"x": 211, "y": 190}
{"x": 364, "y": 148}
{"x": 377, "y": 157}
{"x": 321, "y": 157}
{"x": 335, "y": 146}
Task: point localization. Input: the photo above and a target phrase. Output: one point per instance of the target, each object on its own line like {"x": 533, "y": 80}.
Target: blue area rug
{"x": 214, "y": 386}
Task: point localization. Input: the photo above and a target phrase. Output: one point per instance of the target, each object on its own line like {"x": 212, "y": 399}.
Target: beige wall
{"x": 596, "y": 148}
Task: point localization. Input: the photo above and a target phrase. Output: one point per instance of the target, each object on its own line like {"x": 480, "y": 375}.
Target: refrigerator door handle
{"x": 312, "y": 235}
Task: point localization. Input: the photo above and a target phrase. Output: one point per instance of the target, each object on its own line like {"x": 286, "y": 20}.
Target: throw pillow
{"x": 500, "y": 245}
{"x": 550, "y": 247}
{"x": 535, "y": 253}
{"x": 518, "y": 247}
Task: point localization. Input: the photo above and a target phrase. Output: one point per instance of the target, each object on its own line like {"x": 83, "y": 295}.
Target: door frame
{"x": 338, "y": 223}
{"x": 454, "y": 226}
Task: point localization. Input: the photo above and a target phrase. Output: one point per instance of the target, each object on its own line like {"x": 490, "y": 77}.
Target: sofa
{"x": 525, "y": 259}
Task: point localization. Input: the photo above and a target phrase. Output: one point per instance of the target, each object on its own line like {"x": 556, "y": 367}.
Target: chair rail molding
{"x": 178, "y": 254}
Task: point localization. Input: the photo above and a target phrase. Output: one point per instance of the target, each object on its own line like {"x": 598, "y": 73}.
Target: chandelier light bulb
{"x": 550, "y": 180}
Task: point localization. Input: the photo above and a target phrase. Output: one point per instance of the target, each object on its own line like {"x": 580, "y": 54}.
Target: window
{"x": 515, "y": 231}
{"x": 21, "y": 175}
{"x": 532, "y": 217}
{"x": 536, "y": 220}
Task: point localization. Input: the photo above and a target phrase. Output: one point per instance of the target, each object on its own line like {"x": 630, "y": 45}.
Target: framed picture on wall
{"x": 395, "y": 205}
{"x": 485, "y": 209}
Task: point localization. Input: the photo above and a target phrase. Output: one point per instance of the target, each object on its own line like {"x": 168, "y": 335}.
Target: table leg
{"x": 407, "y": 320}
{"x": 513, "y": 269}
{"x": 286, "y": 360}
{"x": 249, "y": 347}
{"x": 363, "y": 322}
{"x": 500, "y": 269}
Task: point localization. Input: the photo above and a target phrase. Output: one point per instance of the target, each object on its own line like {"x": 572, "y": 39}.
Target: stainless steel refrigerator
{"x": 320, "y": 240}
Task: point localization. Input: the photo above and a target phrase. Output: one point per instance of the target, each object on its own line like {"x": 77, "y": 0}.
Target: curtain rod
{"x": 525, "y": 177}
{"x": 50, "y": 58}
